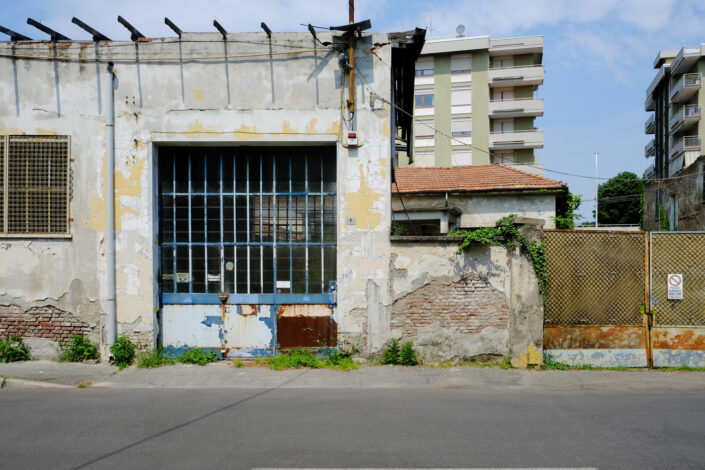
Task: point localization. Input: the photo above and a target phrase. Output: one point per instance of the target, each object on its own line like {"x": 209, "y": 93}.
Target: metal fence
{"x": 680, "y": 253}
{"x": 595, "y": 278}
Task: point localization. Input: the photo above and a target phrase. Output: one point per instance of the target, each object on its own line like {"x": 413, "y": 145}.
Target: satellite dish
{"x": 460, "y": 29}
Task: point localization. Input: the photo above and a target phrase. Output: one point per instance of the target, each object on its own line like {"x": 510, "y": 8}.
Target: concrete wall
{"x": 237, "y": 92}
{"x": 483, "y": 210}
{"x": 480, "y": 108}
{"x": 484, "y": 302}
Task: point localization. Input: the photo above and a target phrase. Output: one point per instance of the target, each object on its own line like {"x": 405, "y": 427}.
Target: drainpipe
{"x": 111, "y": 324}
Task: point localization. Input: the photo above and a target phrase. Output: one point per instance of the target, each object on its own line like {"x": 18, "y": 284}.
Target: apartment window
{"x": 461, "y": 158}
{"x": 424, "y": 67}
{"x": 461, "y": 96}
{"x": 424, "y": 100}
{"x": 424, "y": 129}
{"x": 503, "y": 158}
{"x": 502, "y": 62}
{"x": 461, "y": 64}
{"x": 424, "y": 72}
{"x": 461, "y": 127}
{"x": 34, "y": 185}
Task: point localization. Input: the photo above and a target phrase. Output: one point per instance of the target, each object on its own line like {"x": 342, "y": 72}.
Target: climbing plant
{"x": 505, "y": 232}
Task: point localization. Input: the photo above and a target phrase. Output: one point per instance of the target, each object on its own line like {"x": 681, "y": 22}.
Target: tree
{"x": 566, "y": 205}
{"x": 619, "y": 199}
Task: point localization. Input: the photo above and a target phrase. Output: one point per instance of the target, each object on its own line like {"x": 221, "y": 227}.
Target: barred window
{"x": 34, "y": 185}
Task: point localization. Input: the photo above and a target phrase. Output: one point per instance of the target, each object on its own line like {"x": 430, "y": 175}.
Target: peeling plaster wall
{"x": 461, "y": 306}
{"x": 291, "y": 94}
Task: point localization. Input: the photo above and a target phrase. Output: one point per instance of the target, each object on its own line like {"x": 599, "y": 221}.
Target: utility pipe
{"x": 351, "y": 58}
{"x": 111, "y": 323}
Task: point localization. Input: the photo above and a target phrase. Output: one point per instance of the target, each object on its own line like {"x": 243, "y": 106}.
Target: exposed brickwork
{"x": 40, "y": 322}
{"x": 466, "y": 306}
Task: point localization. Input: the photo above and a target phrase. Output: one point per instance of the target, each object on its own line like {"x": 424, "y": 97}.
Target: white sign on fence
{"x": 675, "y": 286}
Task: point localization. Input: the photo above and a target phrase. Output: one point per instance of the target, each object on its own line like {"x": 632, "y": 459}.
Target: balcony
{"x": 516, "y": 76}
{"x": 686, "y": 87}
{"x": 515, "y": 140}
{"x": 525, "y": 45}
{"x": 650, "y": 149}
{"x": 685, "y": 117}
{"x": 688, "y": 143}
{"x": 650, "y": 104}
{"x": 650, "y": 173}
{"x": 516, "y": 108}
{"x": 650, "y": 124}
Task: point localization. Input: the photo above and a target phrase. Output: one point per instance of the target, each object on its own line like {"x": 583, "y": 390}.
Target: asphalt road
{"x": 238, "y": 428}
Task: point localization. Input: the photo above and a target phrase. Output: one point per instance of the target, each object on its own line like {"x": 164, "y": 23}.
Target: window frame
{"x": 6, "y": 140}
{"x": 423, "y": 100}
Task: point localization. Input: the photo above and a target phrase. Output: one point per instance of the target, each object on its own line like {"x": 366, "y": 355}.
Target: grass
{"x": 151, "y": 359}
{"x": 197, "y": 356}
{"x": 501, "y": 363}
{"x": 299, "y": 358}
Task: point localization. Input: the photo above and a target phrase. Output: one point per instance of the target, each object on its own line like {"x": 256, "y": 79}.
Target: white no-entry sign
{"x": 675, "y": 286}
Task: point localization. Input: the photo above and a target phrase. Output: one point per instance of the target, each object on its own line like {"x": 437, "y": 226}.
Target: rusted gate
{"x": 607, "y": 298}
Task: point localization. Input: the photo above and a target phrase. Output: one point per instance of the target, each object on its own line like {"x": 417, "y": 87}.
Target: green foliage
{"x": 407, "y": 356}
{"x": 238, "y": 363}
{"x": 566, "y": 205}
{"x": 155, "y": 358}
{"x": 79, "y": 349}
{"x": 13, "y": 349}
{"x": 197, "y": 356}
{"x": 505, "y": 229}
{"x": 662, "y": 217}
{"x": 398, "y": 228}
{"x": 391, "y": 354}
{"x": 299, "y": 357}
{"x": 620, "y": 199}
{"x": 549, "y": 363}
{"x": 123, "y": 351}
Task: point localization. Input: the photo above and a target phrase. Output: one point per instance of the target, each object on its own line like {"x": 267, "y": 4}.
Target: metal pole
{"x": 111, "y": 323}
{"x": 596, "y": 201}
{"x": 351, "y": 58}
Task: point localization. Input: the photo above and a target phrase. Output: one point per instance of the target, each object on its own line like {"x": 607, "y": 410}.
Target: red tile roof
{"x": 469, "y": 179}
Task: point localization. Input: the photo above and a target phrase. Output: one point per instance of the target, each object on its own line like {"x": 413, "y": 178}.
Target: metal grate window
{"x": 34, "y": 185}
{"x": 247, "y": 220}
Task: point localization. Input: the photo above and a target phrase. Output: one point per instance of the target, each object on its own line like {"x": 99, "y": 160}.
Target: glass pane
{"x": 241, "y": 269}
{"x": 329, "y": 267}
{"x": 228, "y": 220}
{"x": 227, "y": 171}
{"x": 197, "y": 169}
{"x": 213, "y": 219}
{"x": 254, "y": 173}
{"x": 268, "y": 270}
{"x": 182, "y": 218}
{"x": 255, "y": 219}
{"x": 182, "y": 275}
{"x": 314, "y": 172}
{"x": 282, "y": 169}
{"x": 166, "y": 219}
{"x": 282, "y": 219}
{"x": 298, "y": 173}
{"x": 229, "y": 269}
{"x": 298, "y": 219}
{"x": 213, "y": 278}
{"x": 255, "y": 270}
{"x": 181, "y": 172}
{"x": 166, "y": 172}
{"x": 315, "y": 269}
{"x": 241, "y": 219}
{"x": 198, "y": 269}
{"x": 314, "y": 219}
{"x": 329, "y": 219}
{"x": 267, "y": 218}
{"x": 167, "y": 269}
{"x": 198, "y": 223}
{"x": 213, "y": 172}
{"x": 267, "y": 173}
{"x": 329, "y": 176}
{"x": 298, "y": 283}
{"x": 241, "y": 172}
{"x": 283, "y": 258}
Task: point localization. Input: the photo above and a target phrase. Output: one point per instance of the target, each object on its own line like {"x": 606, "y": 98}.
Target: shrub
{"x": 296, "y": 358}
{"x": 79, "y": 349}
{"x": 123, "y": 352}
{"x": 391, "y": 354}
{"x": 156, "y": 358}
{"x": 197, "y": 356}
{"x": 407, "y": 356}
{"x": 13, "y": 349}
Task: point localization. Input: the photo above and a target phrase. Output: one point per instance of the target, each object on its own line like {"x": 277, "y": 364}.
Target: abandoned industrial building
{"x": 232, "y": 191}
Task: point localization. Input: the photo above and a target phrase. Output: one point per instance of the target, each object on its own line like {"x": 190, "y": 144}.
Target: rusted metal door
{"x": 247, "y": 248}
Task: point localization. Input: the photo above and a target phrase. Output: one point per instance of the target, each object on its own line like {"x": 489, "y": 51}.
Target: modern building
{"x": 673, "y": 192}
{"x": 476, "y": 104}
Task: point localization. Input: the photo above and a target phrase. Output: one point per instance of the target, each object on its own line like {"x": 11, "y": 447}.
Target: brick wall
{"x": 40, "y": 322}
{"x": 466, "y": 306}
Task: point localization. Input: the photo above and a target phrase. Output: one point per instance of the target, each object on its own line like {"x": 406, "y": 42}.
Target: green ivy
{"x": 506, "y": 232}
{"x": 663, "y": 219}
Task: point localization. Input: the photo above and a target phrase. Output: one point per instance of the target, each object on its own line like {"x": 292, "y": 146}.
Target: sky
{"x": 598, "y": 54}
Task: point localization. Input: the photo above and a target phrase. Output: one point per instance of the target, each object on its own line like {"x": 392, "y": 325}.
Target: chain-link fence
{"x": 678, "y": 253}
{"x": 595, "y": 278}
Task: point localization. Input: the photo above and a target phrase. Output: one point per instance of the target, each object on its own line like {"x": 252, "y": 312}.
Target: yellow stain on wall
{"x": 245, "y": 132}
{"x": 530, "y": 356}
{"x": 197, "y": 94}
{"x": 40, "y": 131}
{"x": 385, "y": 129}
{"x": 335, "y": 128}
{"x": 198, "y": 128}
{"x": 359, "y": 205}
{"x": 128, "y": 117}
{"x": 312, "y": 126}
{"x": 287, "y": 129}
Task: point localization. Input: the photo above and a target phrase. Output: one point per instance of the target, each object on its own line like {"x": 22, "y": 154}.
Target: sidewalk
{"x": 43, "y": 374}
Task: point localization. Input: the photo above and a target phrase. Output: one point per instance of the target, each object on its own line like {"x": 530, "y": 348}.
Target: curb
{"x": 8, "y": 382}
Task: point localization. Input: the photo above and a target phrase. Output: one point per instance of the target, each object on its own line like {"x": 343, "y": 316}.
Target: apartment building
{"x": 674, "y": 102}
{"x": 475, "y": 103}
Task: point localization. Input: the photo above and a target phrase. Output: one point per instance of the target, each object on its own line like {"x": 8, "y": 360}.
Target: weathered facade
{"x": 243, "y": 214}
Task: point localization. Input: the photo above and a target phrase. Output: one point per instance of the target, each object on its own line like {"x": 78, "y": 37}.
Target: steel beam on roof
{"x": 13, "y": 35}
{"x": 97, "y": 36}
{"x": 55, "y": 36}
{"x": 135, "y": 34}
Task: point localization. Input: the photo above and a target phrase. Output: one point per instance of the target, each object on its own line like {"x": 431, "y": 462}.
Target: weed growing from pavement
{"x": 80, "y": 348}
{"x": 501, "y": 363}
{"x": 549, "y": 363}
{"x": 404, "y": 356}
{"x": 238, "y": 363}
{"x": 197, "y": 356}
{"x": 123, "y": 352}
{"x": 155, "y": 358}
{"x": 13, "y": 349}
{"x": 298, "y": 358}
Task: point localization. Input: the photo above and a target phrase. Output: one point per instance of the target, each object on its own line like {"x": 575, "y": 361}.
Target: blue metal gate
{"x": 247, "y": 248}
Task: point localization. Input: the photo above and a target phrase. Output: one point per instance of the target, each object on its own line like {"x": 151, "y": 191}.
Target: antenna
{"x": 459, "y": 30}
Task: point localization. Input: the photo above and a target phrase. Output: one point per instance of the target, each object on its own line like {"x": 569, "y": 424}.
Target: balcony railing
{"x": 650, "y": 149}
{"x": 686, "y": 87}
{"x": 516, "y": 107}
{"x": 686, "y": 144}
{"x": 685, "y": 117}
{"x": 516, "y": 139}
{"x": 650, "y": 124}
{"x": 516, "y": 76}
